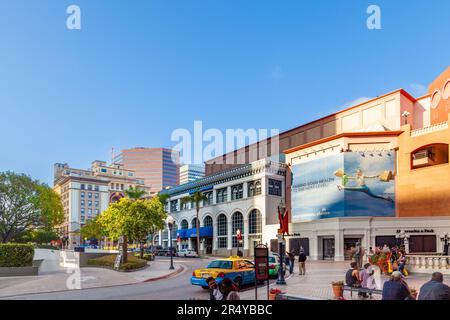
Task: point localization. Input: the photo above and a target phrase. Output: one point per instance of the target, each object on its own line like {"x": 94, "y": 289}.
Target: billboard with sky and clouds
{"x": 348, "y": 184}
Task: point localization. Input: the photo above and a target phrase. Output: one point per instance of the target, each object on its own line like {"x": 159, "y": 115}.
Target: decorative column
{"x": 406, "y": 243}
{"x": 214, "y": 236}
{"x": 314, "y": 246}
{"x": 339, "y": 246}
{"x": 214, "y": 195}
{"x": 229, "y": 236}
{"x": 245, "y": 190}
{"x": 228, "y": 193}
{"x": 246, "y": 239}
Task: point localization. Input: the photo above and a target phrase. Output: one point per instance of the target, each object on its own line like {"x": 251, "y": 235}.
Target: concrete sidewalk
{"x": 316, "y": 284}
{"x": 84, "y": 278}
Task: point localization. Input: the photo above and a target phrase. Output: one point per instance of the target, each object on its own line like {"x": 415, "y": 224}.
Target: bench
{"x": 364, "y": 290}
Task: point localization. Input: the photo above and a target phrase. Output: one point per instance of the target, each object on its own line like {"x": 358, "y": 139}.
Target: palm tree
{"x": 135, "y": 193}
{"x": 196, "y": 197}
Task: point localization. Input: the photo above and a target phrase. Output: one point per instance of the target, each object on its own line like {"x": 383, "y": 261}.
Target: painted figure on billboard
{"x": 361, "y": 182}
{"x": 345, "y": 184}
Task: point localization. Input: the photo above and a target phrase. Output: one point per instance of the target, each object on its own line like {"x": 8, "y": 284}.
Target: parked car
{"x": 241, "y": 271}
{"x": 274, "y": 265}
{"x": 187, "y": 253}
{"x": 166, "y": 252}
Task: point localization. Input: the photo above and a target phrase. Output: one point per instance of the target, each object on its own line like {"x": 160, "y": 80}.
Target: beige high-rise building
{"x": 87, "y": 193}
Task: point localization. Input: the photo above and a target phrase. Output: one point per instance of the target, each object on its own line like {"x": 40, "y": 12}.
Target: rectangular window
{"x": 89, "y": 212}
{"x": 90, "y": 203}
{"x": 104, "y": 170}
{"x": 275, "y": 187}
{"x": 82, "y": 195}
{"x": 82, "y": 202}
{"x": 82, "y": 187}
{"x": 90, "y": 195}
{"x": 96, "y": 196}
{"x": 173, "y": 205}
{"x": 96, "y": 211}
{"x": 96, "y": 188}
{"x": 89, "y": 186}
{"x": 96, "y": 203}
{"x": 82, "y": 210}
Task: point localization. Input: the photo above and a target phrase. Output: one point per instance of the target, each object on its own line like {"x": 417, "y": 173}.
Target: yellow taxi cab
{"x": 240, "y": 270}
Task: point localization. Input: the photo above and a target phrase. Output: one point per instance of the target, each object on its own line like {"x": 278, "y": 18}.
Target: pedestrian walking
{"x": 229, "y": 290}
{"x": 435, "y": 289}
{"x": 302, "y": 262}
{"x": 214, "y": 289}
{"x": 291, "y": 257}
{"x": 402, "y": 263}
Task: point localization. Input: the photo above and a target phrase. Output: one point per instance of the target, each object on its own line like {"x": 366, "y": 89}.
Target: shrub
{"x": 109, "y": 260}
{"x": 16, "y": 255}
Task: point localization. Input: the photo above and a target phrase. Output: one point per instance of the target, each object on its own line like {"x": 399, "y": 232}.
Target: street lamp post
{"x": 280, "y": 280}
{"x": 170, "y": 220}
{"x": 445, "y": 240}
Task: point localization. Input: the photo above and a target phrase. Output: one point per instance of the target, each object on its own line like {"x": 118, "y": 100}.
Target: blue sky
{"x": 139, "y": 69}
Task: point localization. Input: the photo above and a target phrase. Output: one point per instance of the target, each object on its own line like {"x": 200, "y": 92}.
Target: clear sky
{"x": 139, "y": 69}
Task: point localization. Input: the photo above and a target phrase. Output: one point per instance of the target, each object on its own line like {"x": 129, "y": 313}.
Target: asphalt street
{"x": 175, "y": 288}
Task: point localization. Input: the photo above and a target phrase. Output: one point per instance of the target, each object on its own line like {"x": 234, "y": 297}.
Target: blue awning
{"x": 192, "y": 233}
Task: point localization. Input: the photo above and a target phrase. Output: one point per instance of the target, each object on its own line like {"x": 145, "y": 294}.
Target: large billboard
{"x": 348, "y": 184}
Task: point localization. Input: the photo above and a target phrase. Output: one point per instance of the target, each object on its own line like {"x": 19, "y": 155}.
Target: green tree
{"x": 133, "y": 220}
{"x": 196, "y": 197}
{"x": 135, "y": 193}
{"x": 25, "y": 204}
{"x": 92, "y": 229}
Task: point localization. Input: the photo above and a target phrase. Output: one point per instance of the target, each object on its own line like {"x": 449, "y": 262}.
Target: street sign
{"x": 261, "y": 254}
{"x": 118, "y": 260}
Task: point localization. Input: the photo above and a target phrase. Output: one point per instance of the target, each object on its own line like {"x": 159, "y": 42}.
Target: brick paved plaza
{"x": 316, "y": 284}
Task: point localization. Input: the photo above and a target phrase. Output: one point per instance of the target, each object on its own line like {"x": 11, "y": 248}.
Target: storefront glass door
{"x": 328, "y": 249}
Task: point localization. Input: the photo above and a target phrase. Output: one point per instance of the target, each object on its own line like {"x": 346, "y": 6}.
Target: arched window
{"x": 236, "y": 192}
{"x": 194, "y": 223}
{"x": 184, "y": 224}
{"x": 254, "y": 222}
{"x": 237, "y": 223}
{"x": 174, "y": 232}
{"x": 251, "y": 189}
{"x": 208, "y": 222}
{"x": 429, "y": 155}
{"x": 165, "y": 237}
{"x": 221, "y": 195}
{"x": 222, "y": 231}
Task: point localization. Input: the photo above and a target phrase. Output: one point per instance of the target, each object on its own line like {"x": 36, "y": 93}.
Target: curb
{"x": 179, "y": 270}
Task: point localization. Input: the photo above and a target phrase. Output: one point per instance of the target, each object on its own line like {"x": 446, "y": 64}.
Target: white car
{"x": 187, "y": 253}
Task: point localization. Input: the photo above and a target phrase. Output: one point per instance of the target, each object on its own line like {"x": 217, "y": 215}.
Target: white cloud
{"x": 418, "y": 89}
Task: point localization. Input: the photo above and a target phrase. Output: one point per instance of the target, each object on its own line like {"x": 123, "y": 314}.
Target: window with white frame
{"x": 275, "y": 187}
{"x": 237, "y": 192}
{"x": 222, "y": 231}
{"x": 237, "y": 223}
{"x": 208, "y": 222}
{"x": 254, "y": 222}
